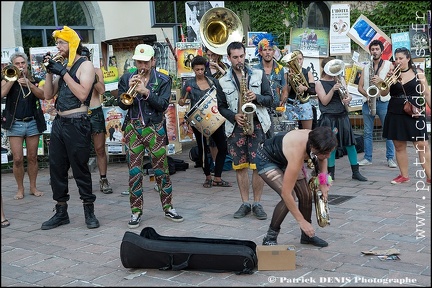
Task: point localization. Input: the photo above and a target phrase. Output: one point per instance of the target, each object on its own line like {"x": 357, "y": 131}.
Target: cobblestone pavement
{"x": 378, "y": 216}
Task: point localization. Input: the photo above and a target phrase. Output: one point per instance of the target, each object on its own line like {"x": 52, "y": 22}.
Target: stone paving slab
{"x": 378, "y": 216}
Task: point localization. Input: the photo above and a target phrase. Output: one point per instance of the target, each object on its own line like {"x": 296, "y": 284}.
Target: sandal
{"x": 5, "y": 223}
{"x": 221, "y": 183}
{"x": 208, "y": 183}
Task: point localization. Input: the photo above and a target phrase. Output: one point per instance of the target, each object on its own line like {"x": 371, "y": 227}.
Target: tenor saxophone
{"x": 246, "y": 107}
{"x": 321, "y": 205}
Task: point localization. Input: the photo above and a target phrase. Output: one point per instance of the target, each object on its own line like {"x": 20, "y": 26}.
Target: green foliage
{"x": 270, "y": 16}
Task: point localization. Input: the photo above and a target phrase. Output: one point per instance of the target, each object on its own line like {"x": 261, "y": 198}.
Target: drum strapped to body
{"x": 204, "y": 115}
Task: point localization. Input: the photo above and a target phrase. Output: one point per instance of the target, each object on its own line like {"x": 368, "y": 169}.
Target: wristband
{"x": 324, "y": 179}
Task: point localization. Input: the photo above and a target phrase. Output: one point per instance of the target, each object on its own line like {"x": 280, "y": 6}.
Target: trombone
{"x": 12, "y": 73}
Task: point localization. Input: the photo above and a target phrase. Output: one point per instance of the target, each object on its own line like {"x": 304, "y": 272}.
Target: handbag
{"x": 411, "y": 109}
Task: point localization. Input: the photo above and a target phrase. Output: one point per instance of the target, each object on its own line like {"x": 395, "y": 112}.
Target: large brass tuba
{"x": 11, "y": 73}
{"x": 296, "y": 78}
{"x": 128, "y": 97}
{"x": 321, "y": 206}
{"x": 336, "y": 68}
{"x": 219, "y": 27}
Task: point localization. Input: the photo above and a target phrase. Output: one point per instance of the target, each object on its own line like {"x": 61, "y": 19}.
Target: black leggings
{"x": 281, "y": 210}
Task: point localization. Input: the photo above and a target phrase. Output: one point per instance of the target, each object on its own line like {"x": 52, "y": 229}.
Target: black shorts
{"x": 97, "y": 120}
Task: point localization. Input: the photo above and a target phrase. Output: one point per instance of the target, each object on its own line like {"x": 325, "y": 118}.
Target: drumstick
{"x": 188, "y": 89}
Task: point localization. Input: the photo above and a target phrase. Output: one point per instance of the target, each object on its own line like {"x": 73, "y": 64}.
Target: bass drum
{"x": 204, "y": 115}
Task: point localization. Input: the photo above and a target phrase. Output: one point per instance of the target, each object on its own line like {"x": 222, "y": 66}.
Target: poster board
{"x": 340, "y": 19}
{"x": 311, "y": 42}
{"x": 36, "y": 60}
{"x": 195, "y": 10}
{"x": 114, "y": 117}
{"x": 185, "y": 131}
{"x": 186, "y": 51}
{"x": 364, "y": 31}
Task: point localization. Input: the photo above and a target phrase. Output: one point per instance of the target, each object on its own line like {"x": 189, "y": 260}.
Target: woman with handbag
{"x": 402, "y": 124}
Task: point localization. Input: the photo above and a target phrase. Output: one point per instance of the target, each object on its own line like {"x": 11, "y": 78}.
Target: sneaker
{"x": 125, "y": 193}
{"x": 365, "y": 162}
{"x": 242, "y": 211}
{"x": 135, "y": 221}
{"x": 258, "y": 212}
{"x": 400, "y": 179}
{"x": 172, "y": 215}
{"x": 391, "y": 163}
{"x": 105, "y": 186}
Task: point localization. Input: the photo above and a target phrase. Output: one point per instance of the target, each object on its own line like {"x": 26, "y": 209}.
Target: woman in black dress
{"x": 334, "y": 115}
{"x": 400, "y": 127}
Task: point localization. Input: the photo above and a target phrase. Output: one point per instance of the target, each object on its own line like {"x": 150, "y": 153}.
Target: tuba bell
{"x": 297, "y": 77}
{"x": 336, "y": 68}
{"x": 219, "y": 27}
{"x": 11, "y": 73}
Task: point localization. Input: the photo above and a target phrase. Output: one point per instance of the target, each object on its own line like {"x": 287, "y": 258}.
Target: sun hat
{"x": 143, "y": 52}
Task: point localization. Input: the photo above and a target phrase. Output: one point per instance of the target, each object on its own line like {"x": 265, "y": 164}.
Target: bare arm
{"x": 99, "y": 87}
{"x": 5, "y": 87}
{"x": 86, "y": 76}
{"x": 50, "y": 87}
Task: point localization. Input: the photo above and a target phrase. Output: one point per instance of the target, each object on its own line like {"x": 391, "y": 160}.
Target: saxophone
{"x": 372, "y": 90}
{"x": 246, "y": 107}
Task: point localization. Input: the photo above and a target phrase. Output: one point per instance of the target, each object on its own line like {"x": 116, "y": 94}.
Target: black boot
{"x": 61, "y": 217}
{"x": 356, "y": 174}
{"x": 312, "y": 240}
{"x": 90, "y": 218}
{"x": 271, "y": 237}
{"x": 331, "y": 171}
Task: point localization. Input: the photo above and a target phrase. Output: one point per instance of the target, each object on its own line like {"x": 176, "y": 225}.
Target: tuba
{"x": 128, "y": 97}
{"x": 246, "y": 107}
{"x": 372, "y": 91}
{"x": 321, "y": 206}
{"x": 297, "y": 76}
{"x": 333, "y": 68}
{"x": 11, "y": 73}
{"x": 219, "y": 27}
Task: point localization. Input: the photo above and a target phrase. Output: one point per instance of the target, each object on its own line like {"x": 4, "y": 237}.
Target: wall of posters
{"x": 312, "y": 42}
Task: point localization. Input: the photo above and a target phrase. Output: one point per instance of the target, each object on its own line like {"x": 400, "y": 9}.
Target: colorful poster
{"x": 340, "y": 19}
{"x": 400, "y": 40}
{"x": 185, "y": 130}
{"x": 114, "y": 118}
{"x": 312, "y": 42}
{"x": 7, "y": 52}
{"x": 186, "y": 51}
{"x": 171, "y": 122}
{"x": 364, "y": 31}
{"x": 250, "y": 38}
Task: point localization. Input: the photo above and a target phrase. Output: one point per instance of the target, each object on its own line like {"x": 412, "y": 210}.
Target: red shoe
{"x": 400, "y": 179}
{"x": 428, "y": 181}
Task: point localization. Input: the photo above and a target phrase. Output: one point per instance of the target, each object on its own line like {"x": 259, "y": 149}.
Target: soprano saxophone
{"x": 372, "y": 90}
{"x": 246, "y": 107}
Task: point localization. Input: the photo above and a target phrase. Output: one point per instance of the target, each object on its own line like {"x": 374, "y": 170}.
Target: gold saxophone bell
{"x": 321, "y": 206}
{"x": 297, "y": 78}
{"x": 11, "y": 73}
{"x": 220, "y": 26}
{"x": 128, "y": 97}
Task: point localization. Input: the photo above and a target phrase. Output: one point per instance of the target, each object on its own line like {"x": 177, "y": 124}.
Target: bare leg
{"x": 99, "y": 146}
{"x": 402, "y": 157}
{"x": 307, "y": 124}
{"x": 16, "y": 144}
{"x": 32, "y": 164}
{"x": 243, "y": 183}
{"x": 257, "y": 185}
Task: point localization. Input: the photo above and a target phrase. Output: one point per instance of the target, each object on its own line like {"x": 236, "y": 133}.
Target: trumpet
{"x": 128, "y": 97}
{"x": 57, "y": 58}
{"x": 11, "y": 73}
{"x": 390, "y": 80}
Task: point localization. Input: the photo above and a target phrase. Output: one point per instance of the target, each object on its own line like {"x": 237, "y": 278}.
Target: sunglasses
{"x": 402, "y": 49}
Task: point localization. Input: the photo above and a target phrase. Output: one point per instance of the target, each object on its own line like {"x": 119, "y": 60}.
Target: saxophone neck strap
{"x": 379, "y": 66}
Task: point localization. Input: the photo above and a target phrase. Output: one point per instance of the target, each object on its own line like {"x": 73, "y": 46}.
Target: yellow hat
{"x": 70, "y": 36}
